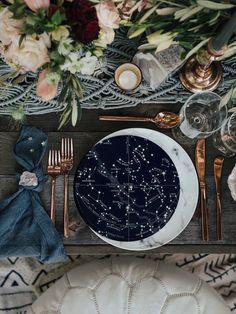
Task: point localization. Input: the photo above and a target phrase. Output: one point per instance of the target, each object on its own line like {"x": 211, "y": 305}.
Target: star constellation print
{"x": 126, "y": 188}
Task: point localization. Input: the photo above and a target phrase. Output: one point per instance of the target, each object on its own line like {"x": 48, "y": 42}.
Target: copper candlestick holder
{"x": 202, "y": 72}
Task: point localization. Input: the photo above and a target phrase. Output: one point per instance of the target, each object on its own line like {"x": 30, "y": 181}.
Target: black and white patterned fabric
{"x": 22, "y": 280}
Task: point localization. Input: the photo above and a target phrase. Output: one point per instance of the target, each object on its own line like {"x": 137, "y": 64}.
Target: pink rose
{"x": 45, "y": 90}
{"x": 108, "y": 15}
{"x": 9, "y": 27}
{"x": 36, "y": 5}
{"x": 30, "y": 55}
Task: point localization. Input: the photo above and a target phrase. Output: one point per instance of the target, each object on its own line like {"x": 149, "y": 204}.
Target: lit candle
{"x": 128, "y": 76}
{"x": 128, "y": 80}
{"x": 222, "y": 38}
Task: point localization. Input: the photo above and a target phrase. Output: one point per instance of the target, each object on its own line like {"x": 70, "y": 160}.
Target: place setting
{"x": 117, "y": 149}
{"x": 136, "y": 188}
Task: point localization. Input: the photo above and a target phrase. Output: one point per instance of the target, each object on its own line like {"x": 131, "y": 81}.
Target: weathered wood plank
{"x": 90, "y": 122}
{"x": 87, "y": 133}
{"x": 168, "y": 249}
{"x": 190, "y": 238}
{"x": 83, "y": 141}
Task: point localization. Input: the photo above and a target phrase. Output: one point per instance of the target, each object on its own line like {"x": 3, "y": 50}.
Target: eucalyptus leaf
{"x": 196, "y": 48}
{"x": 146, "y": 47}
{"x": 190, "y": 13}
{"x": 137, "y": 33}
{"x": 166, "y": 11}
{"x": 215, "y": 5}
{"x": 74, "y": 113}
{"x": 148, "y": 13}
{"x": 214, "y": 19}
{"x": 64, "y": 118}
{"x": 62, "y": 95}
{"x": 232, "y": 109}
{"x": 230, "y": 51}
{"x": 225, "y": 99}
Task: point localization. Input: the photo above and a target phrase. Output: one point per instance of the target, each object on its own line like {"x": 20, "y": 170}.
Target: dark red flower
{"x": 82, "y": 17}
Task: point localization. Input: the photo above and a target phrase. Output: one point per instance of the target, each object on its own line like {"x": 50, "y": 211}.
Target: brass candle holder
{"x": 202, "y": 72}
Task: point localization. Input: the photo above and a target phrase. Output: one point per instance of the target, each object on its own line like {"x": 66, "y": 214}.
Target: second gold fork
{"x": 54, "y": 169}
{"x": 66, "y": 166}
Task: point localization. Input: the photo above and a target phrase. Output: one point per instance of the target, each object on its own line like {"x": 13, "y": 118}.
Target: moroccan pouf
{"x": 129, "y": 285}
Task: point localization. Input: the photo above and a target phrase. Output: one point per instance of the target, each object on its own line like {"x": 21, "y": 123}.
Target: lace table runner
{"x": 100, "y": 90}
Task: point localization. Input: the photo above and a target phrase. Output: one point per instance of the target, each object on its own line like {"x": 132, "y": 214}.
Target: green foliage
{"x": 192, "y": 21}
{"x": 18, "y": 9}
{"x": 70, "y": 95}
{"x": 38, "y": 22}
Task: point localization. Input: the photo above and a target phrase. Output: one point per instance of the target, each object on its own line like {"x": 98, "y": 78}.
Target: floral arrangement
{"x": 56, "y": 39}
{"x": 60, "y": 39}
{"x": 189, "y": 23}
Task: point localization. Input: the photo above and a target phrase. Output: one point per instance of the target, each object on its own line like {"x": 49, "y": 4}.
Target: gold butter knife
{"x": 200, "y": 161}
{"x": 218, "y": 165}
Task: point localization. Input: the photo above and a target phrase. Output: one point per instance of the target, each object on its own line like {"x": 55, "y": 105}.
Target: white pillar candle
{"x": 128, "y": 80}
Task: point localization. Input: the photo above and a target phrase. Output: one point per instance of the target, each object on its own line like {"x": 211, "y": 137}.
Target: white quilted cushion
{"x": 129, "y": 285}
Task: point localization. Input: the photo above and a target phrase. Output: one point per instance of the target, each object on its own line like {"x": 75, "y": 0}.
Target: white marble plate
{"x": 188, "y": 192}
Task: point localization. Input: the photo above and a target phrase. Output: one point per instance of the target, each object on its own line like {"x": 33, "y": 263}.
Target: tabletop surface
{"x": 88, "y": 131}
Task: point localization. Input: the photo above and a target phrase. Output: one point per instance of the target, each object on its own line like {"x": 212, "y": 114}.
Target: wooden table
{"x": 86, "y": 134}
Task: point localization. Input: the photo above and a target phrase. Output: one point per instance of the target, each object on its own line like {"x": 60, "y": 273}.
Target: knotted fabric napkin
{"x": 25, "y": 227}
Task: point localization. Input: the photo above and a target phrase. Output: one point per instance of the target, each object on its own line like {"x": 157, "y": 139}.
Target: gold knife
{"x": 218, "y": 165}
{"x": 200, "y": 161}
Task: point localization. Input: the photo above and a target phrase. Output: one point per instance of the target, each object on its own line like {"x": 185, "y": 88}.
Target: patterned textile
{"x": 22, "y": 280}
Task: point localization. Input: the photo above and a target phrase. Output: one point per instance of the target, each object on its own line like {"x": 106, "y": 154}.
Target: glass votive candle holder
{"x": 128, "y": 76}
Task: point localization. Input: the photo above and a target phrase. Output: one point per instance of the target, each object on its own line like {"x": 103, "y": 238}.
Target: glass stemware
{"x": 200, "y": 117}
{"x": 225, "y": 139}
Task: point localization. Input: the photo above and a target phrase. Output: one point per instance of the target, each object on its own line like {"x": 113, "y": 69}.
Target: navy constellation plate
{"x": 126, "y": 188}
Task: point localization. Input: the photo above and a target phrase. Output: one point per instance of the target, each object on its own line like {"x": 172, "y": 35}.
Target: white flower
{"x": 75, "y": 64}
{"x": 65, "y": 47}
{"x": 30, "y": 55}
{"x": 106, "y": 37}
{"x": 59, "y": 33}
{"x": 88, "y": 64}
{"x": 161, "y": 41}
{"x": 10, "y": 28}
{"x": 53, "y": 78}
{"x": 72, "y": 63}
{"x": 28, "y": 179}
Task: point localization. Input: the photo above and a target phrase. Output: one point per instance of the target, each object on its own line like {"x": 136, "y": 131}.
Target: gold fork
{"x": 54, "y": 169}
{"x": 66, "y": 166}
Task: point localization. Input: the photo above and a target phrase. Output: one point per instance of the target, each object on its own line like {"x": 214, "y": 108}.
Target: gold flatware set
{"x": 201, "y": 169}
{"x": 61, "y": 162}
{"x": 200, "y": 160}
{"x": 54, "y": 170}
{"x": 218, "y": 165}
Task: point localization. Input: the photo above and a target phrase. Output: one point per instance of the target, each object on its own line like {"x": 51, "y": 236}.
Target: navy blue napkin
{"x": 25, "y": 227}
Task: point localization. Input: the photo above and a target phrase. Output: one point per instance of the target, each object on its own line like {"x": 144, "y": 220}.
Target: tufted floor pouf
{"x": 129, "y": 285}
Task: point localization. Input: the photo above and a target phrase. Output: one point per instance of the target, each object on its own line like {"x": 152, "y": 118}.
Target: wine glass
{"x": 225, "y": 139}
{"x": 200, "y": 117}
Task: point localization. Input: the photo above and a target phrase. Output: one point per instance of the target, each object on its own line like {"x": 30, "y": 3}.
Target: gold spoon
{"x": 163, "y": 120}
